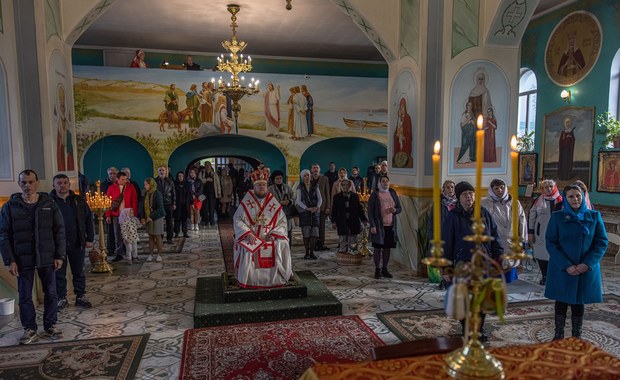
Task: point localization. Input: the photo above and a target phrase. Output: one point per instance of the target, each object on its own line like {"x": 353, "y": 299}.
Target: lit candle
{"x": 436, "y": 194}
{"x": 479, "y": 155}
{"x": 514, "y": 156}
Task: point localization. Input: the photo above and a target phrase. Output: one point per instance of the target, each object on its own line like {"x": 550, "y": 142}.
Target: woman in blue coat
{"x": 576, "y": 242}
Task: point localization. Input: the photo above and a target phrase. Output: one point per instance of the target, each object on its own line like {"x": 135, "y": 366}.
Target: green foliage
{"x": 152, "y": 145}
{"x": 608, "y": 125}
{"x": 293, "y": 161}
{"x": 84, "y": 140}
{"x": 525, "y": 142}
{"x": 80, "y": 105}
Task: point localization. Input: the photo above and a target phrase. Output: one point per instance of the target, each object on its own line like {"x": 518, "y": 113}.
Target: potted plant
{"x": 525, "y": 142}
{"x": 609, "y": 125}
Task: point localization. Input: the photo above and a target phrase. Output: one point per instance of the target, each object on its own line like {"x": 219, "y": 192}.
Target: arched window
{"x": 527, "y": 103}
{"x": 614, "y": 86}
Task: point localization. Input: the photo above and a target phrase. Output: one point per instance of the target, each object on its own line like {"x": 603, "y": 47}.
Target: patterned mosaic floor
{"x": 157, "y": 298}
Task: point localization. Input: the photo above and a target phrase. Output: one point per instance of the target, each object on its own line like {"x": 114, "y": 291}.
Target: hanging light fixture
{"x": 235, "y": 64}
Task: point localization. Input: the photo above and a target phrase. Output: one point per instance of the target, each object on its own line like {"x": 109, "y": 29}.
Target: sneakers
{"x": 83, "y": 302}
{"x": 158, "y": 259}
{"x": 149, "y": 258}
{"x": 28, "y": 337}
{"x": 62, "y": 303}
{"x": 52, "y": 333}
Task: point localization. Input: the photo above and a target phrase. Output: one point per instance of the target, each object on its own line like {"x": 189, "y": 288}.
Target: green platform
{"x": 295, "y": 288}
{"x": 211, "y": 310}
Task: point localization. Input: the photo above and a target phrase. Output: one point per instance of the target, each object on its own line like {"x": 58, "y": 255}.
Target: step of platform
{"x": 211, "y": 310}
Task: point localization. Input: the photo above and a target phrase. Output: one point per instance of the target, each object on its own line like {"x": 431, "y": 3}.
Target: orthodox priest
{"x": 262, "y": 256}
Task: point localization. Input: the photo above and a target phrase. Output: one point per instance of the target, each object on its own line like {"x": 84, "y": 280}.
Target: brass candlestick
{"x": 99, "y": 203}
{"x": 472, "y": 361}
{"x": 364, "y": 251}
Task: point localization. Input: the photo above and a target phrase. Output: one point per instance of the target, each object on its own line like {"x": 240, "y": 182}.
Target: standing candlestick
{"x": 514, "y": 156}
{"x": 436, "y": 194}
{"x": 479, "y": 157}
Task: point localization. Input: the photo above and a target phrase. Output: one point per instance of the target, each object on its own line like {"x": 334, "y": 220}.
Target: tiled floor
{"x": 158, "y": 298}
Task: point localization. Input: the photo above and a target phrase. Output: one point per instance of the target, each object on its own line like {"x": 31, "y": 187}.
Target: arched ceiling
{"x": 312, "y": 29}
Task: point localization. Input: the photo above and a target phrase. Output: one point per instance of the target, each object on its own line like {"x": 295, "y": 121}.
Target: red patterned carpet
{"x": 274, "y": 350}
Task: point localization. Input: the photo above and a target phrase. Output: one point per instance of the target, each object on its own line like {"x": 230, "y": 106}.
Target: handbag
{"x": 116, "y": 203}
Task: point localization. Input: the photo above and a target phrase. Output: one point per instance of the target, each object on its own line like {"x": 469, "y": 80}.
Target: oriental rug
{"x": 526, "y": 322}
{"x": 102, "y": 358}
{"x": 274, "y": 350}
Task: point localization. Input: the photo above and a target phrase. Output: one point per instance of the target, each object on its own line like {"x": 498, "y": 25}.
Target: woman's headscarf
{"x": 380, "y": 185}
{"x": 124, "y": 215}
{"x": 303, "y": 172}
{"x": 343, "y": 182}
{"x": 572, "y": 214}
{"x": 148, "y": 198}
{"x": 495, "y": 198}
{"x": 540, "y": 202}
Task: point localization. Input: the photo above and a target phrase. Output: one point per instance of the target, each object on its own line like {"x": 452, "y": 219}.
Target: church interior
{"x": 86, "y": 85}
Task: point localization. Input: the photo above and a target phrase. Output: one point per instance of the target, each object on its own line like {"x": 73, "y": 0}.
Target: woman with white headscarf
{"x": 550, "y": 200}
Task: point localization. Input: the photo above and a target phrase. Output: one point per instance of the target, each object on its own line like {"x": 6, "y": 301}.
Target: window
{"x": 527, "y": 103}
{"x": 614, "y": 86}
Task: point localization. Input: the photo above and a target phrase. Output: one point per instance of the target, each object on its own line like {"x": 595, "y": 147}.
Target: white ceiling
{"x": 312, "y": 29}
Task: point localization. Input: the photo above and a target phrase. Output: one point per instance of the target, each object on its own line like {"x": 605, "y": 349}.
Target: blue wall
{"x": 118, "y": 151}
{"x": 345, "y": 152}
{"x": 226, "y": 146}
{"x": 593, "y": 91}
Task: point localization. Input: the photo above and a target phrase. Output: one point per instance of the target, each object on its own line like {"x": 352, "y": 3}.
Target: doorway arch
{"x": 228, "y": 146}
{"x": 119, "y": 151}
{"x": 358, "y": 151}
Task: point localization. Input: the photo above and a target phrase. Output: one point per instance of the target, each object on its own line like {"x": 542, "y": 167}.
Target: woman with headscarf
{"x": 540, "y": 213}
{"x": 347, "y": 217}
{"x": 153, "y": 217}
{"x": 383, "y": 205}
{"x": 194, "y": 188}
{"x": 586, "y": 195}
{"x": 576, "y": 241}
{"x": 284, "y": 194}
{"x": 309, "y": 201}
{"x": 342, "y": 176}
{"x": 499, "y": 204}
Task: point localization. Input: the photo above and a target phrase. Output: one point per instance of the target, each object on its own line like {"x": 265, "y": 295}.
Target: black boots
{"x": 560, "y": 321}
{"x": 484, "y": 338}
{"x": 309, "y": 245}
{"x": 377, "y": 273}
{"x": 385, "y": 273}
{"x": 577, "y": 323}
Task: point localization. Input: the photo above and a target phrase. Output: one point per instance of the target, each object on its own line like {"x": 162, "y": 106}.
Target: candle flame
{"x": 513, "y": 143}
{"x": 479, "y": 121}
{"x": 437, "y": 147}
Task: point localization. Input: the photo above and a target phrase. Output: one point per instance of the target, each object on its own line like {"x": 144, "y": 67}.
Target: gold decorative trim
{"x": 413, "y": 191}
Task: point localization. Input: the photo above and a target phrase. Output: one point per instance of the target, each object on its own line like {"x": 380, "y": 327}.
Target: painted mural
{"x": 573, "y": 48}
{"x": 510, "y": 22}
{"x": 63, "y": 127}
{"x": 403, "y": 121}
{"x": 480, "y": 88}
{"x": 465, "y": 25}
{"x": 163, "y": 109}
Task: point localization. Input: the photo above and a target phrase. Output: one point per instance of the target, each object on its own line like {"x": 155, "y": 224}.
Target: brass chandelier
{"x": 235, "y": 64}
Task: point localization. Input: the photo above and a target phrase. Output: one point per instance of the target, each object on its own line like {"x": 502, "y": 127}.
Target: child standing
{"x": 129, "y": 230}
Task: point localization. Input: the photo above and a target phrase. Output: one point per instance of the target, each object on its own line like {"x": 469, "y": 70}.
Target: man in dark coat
{"x": 32, "y": 237}
{"x": 347, "y": 217}
{"x": 457, "y": 225}
{"x": 322, "y": 183}
{"x": 80, "y": 233}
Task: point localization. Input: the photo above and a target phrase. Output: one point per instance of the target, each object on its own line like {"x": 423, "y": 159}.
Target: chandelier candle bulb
{"x": 514, "y": 156}
{"x": 479, "y": 156}
{"x": 436, "y": 194}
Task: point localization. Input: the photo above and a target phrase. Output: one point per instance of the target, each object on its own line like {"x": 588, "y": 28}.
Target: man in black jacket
{"x": 166, "y": 187}
{"x": 32, "y": 237}
{"x": 80, "y": 233}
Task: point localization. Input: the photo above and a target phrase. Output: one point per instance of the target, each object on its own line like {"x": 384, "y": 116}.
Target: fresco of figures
{"x": 163, "y": 109}
{"x": 479, "y": 88}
